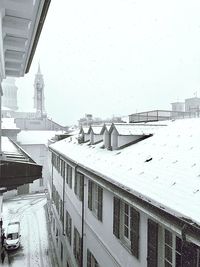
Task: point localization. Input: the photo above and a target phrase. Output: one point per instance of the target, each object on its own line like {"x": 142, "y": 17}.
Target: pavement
{"x": 51, "y": 243}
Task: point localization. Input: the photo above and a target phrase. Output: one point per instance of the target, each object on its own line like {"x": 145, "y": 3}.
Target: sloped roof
{"x": 85, "y": 130}
{"x": 9, "y": 124}
{"x": 36, "y": 137}
{"x": 135, "y": 129}
{"x": 106, "y": 126}
{"x": 163, "y": 169}
{"x": 96, "y": 129}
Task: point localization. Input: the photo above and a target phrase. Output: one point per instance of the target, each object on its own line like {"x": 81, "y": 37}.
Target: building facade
{"x": 118, "y": 206}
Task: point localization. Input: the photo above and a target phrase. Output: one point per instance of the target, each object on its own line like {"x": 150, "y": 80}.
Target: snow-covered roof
{"x": 36, "y": 137}
{"x": 106, "y": 126}
{"x": 5, "y": 109}
{"x": 9, "y": 124}
{"x": 84, "y": 130}
{"x": 8, "y": 146}
{"x": 95, "y": 129}
{"x": 163, "y": 169}
{"x": 135, "y": 129}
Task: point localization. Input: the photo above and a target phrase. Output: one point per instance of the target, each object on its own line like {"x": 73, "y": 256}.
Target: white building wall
{"x": 114, "y": 139}
{"x": 39, "y": 153}
{"x": 108, "y": 250}
{"x": 98, "y": 236}
{"x": 106, "y": 139}
{"x": 97, "y": 138}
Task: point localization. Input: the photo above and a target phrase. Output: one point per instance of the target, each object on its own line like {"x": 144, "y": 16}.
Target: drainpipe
{"x": 82, "y": 234}
{"x": 183, "y": 235}
{"x": 63, "y": 218}
{"x": 1, "y": 94}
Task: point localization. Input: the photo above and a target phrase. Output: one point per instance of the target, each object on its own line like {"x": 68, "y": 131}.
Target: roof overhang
{"x": 16, "y": 166}
{"x": 21, "y": 22}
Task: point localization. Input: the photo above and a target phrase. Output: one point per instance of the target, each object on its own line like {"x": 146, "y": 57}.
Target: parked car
{"x": 12, "y": 240}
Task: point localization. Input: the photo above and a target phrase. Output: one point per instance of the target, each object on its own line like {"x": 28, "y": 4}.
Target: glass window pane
{"x": 168, "y": 237}
{"x": 168, "y": 253}
{"x": 167, "y": 264}
{"x": 178, "y": 244}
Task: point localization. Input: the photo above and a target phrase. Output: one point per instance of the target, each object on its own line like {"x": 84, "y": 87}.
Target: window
{"x": 95, "y": 199}
{"x": 57, "y": 233}
{"x": 68, "y": 174}
{"x": 171, "y": 249}
{"x": 62, "y": 168}
{"x": 91, "y": 261}
{"x": 77, "y": 246}
{"x": 68, "y": 228}
{"x": 78, "y": 185}
{"x": 61, "y": 211}
{"x": 126, "y": 225}
{"x": 61, "y": 251}
{"x": 41, "y": 181}
{"x": 53, "y": 224}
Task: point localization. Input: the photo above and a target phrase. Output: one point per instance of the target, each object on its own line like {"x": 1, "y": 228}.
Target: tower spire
{"x": 39, "y": 70}
{"x": 39, "y": 93}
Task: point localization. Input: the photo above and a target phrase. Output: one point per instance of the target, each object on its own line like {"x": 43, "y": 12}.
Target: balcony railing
{"x": 161, "y": 115}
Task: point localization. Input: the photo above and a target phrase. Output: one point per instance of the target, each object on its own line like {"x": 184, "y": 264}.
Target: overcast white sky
{"x": 115, "y": 57}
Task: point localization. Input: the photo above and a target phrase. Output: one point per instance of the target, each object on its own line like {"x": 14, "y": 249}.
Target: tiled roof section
{"x": 163, "y": 169}
{"x": 136, "y": 129}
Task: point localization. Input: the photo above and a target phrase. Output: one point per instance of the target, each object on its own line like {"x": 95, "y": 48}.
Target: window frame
{"x": 133, "y": 243}
{"x": 68, "y": 227}
{"x": 95, "y": 199}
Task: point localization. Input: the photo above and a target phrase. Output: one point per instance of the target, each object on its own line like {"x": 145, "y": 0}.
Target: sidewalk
{"x": 51, "y": 244}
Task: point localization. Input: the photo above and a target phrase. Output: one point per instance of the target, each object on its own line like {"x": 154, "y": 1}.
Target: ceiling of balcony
{"x": 22, "y": 22}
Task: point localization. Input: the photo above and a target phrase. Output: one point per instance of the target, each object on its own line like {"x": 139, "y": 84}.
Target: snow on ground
{"x": 29, "y": 211}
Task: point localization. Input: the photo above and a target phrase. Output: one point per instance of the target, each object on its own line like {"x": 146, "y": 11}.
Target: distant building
{"x": 192, "y": 104}
{"x": 9, "y": 99}
{"x": 178, "y": 106}
{"x": 86, "y": 121}
{"x": 89, "y": 120}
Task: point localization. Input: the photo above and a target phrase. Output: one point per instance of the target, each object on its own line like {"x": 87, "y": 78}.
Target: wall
{"x": 39, "y": 153}
{"x": 98, "y": 236}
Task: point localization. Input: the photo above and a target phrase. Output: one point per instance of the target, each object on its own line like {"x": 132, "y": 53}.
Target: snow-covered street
{"x": 35, "y": 249}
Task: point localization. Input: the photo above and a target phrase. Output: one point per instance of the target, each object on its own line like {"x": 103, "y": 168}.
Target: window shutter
{"x": 152, "y": 258}
{"x": 88, "y": 258}
{"x": 116, "y": 217}
{"x": 75, "y": 184}
{"x": 81, "y": 177}
{"x": 135, "y": 232}
{"x": 70, "y": 230}
{"x": 70, "y": 177}
{"x": 189, "y": 255}
{"x": 100, "y": 203}
{"x": 74, "y": 247}
{"x": 90, "y": 194}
